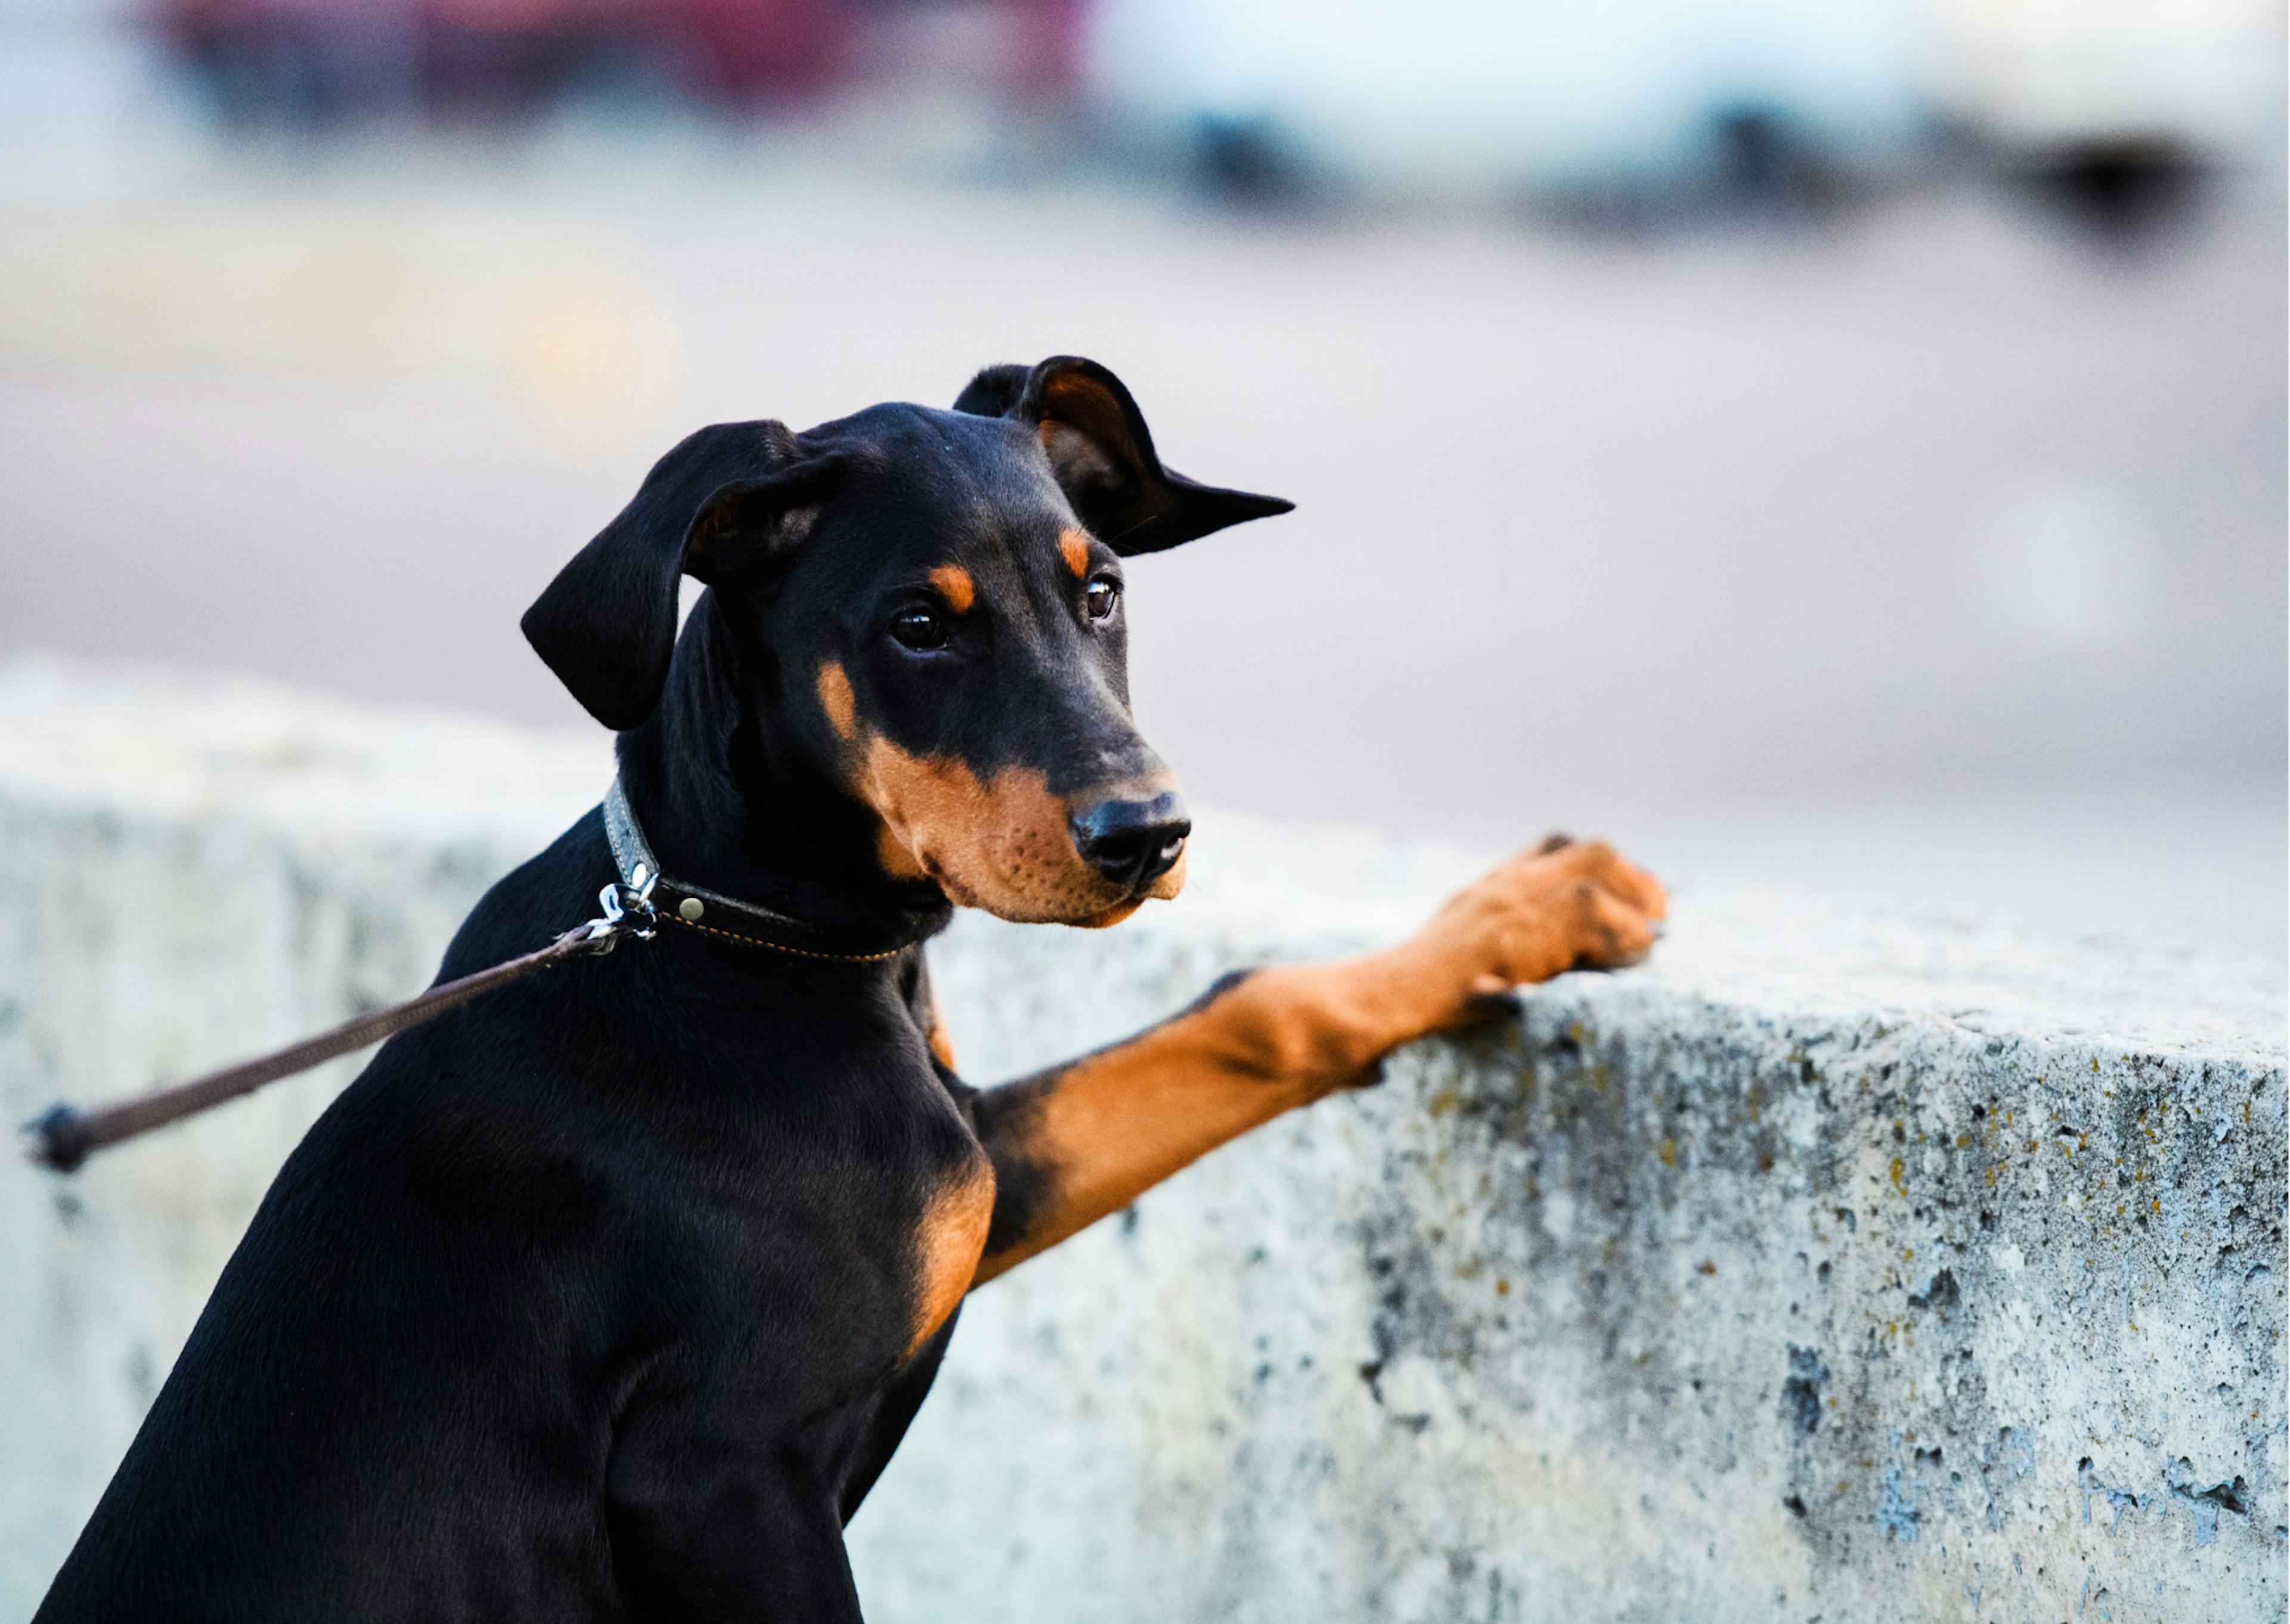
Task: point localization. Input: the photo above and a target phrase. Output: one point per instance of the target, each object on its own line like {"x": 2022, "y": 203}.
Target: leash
{"x": 66, "y": 1136}
{"x": 632, "y": 906}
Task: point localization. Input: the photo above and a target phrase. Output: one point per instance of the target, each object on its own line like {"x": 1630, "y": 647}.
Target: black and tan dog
{"x": 608, "y": 1297}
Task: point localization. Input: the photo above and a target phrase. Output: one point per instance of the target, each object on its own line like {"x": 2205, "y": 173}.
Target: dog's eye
{"x": 919, "y": 628}
{"x": 1103, "y": 594}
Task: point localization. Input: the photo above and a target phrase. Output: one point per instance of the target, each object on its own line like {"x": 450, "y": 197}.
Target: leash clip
{"x": 628, "y": 911}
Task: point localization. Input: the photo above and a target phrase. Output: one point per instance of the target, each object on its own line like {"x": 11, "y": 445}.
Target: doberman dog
{"x": 609, "y": 1296}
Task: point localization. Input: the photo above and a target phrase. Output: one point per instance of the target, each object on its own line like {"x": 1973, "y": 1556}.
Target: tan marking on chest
{"x": 935, "y": 1033}
{"x": 948, "y": 1246}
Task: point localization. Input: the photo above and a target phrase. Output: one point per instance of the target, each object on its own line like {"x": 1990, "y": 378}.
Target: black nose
{"x": 1132, "y": 843}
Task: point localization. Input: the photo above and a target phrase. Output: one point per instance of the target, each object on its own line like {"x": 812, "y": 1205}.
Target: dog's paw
{"x": 1564, "y": 905}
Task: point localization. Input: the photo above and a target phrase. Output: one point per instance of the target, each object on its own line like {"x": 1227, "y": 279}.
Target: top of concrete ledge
{"x": 181, "y": 744}
{"x": 171, "y": 746}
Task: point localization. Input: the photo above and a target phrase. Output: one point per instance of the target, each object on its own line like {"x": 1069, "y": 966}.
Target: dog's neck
{"x": 721, "y": 813}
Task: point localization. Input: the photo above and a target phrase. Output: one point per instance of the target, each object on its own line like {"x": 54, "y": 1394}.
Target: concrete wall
{"x": 1834, "y": 1267}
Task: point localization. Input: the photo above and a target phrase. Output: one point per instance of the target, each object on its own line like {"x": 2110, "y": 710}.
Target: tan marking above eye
{"x": 955, "y": 587}
{"x": 835, "y": 698}
{"x": 1075, "y": 546}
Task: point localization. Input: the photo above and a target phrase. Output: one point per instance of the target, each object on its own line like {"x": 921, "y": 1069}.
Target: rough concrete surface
{"x": 1836, "y": 1266}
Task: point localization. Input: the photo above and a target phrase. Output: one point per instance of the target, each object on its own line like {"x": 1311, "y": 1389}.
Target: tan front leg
{"x": 1075, "y": 1143}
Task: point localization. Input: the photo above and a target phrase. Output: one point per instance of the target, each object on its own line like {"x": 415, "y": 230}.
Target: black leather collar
{"x": 710, "y": 913}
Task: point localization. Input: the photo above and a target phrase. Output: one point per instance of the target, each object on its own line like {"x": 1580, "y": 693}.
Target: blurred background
{"x": 1839, "y": 444}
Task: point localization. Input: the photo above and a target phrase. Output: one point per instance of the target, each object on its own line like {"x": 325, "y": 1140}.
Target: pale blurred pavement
{"x": 1933, "y": 553}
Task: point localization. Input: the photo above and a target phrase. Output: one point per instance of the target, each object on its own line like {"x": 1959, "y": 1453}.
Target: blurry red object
{"x": 312, "y": 60}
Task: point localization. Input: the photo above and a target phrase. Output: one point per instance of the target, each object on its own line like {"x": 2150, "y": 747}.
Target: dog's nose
{"x": 1133, "y": 842}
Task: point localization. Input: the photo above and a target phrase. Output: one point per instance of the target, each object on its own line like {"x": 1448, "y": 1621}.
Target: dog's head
{"x": 926, "y": 608}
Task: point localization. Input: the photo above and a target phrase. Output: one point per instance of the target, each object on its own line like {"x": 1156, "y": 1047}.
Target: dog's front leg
{"x": 1085, "y": 1138}
{"x": 710, "y": 1507}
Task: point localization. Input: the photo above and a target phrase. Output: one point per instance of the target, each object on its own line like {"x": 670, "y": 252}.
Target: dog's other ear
{"x": 709, "y": 508}
{"x": 993, "y": 392}
{"x": 1103, "y": 456}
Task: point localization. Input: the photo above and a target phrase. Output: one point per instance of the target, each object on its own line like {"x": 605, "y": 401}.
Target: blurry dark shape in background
{"x": 1637, "y": 112}
{"x": 2113, "y": 108}
{"x": 1244, "y": 160}
{"x": 1765, "y": 162}
{"x": 317, "y": 63}
{"x": 1631, "y": 110}
{"x": 2126, "y": 191}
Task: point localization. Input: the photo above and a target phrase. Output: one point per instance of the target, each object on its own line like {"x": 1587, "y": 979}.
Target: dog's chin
{"x": 1082, "y": 913}
{"x": 1161, "y": 890}
{"x": 1083, "y": 905}
{"x": 1111, "y": 917}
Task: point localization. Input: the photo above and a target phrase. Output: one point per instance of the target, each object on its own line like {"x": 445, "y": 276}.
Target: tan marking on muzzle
{"x": 955, "y": 587}
{"x": 1168, "y": 885}
{"x": 1004, "y": 845}
{"x": 1075, "y": 546}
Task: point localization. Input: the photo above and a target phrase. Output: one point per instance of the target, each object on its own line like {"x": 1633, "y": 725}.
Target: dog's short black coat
{"x": 596, "y": 1300}
{"x": 609, "y": 1296}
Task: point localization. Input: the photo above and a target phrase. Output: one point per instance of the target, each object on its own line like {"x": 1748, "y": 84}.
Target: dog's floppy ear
{"x": 709, "y": 508}
{"x": 1103, "y": 455}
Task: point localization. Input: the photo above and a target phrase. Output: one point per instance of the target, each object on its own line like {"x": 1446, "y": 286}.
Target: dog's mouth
{"x": 1161, "y": 888}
